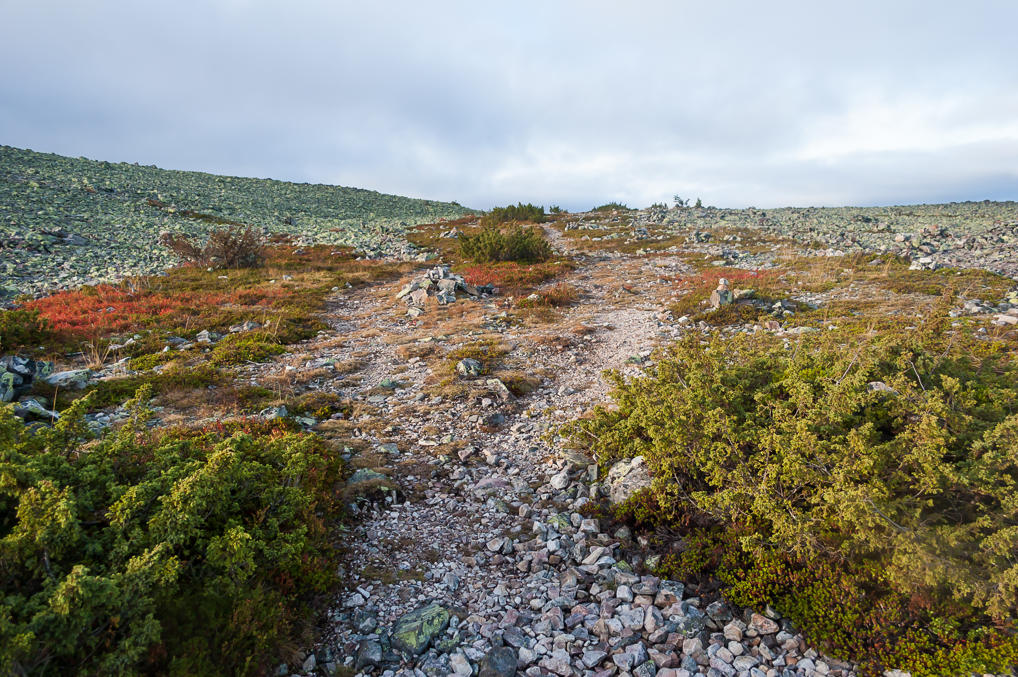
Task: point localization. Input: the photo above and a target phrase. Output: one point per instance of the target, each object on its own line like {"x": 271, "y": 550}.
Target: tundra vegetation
{"x": 861, "y": 481}
{"x": 839, "y": 443}
{"x": 176, "y": 551}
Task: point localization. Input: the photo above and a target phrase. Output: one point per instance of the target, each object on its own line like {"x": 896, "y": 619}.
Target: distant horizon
{"x": 575, "y": 103}
{"x": 669, "y": 201}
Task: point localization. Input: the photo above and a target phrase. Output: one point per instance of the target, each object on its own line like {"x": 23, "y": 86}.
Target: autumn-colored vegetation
{"x": 511, "y": 277}
{"x": 286, "y": 293}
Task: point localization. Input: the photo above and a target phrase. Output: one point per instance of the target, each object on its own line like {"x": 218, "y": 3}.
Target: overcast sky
{"x": 573, "y": 103}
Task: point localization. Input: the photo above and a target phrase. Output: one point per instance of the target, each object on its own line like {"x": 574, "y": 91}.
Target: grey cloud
{"x": 568, "y": 102}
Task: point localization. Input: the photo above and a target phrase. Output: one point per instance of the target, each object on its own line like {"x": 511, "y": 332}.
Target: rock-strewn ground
{"x": 495, "y": 533}
{"x": 473, "y": 550}
{"x": 489, "y": 534}
{"x": 65, "y": 221}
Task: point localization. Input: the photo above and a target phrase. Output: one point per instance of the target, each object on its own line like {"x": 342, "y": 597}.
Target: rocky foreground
{"x": 480, "y": 544}
{"x": 485, "y": 559}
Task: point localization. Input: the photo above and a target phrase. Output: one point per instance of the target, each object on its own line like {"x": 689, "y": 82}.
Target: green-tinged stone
{"x": 365, "y": 475}
{"x": 414, "y": 632}
{"x": 6, "y": 386}
{"x": 560, "y": 521}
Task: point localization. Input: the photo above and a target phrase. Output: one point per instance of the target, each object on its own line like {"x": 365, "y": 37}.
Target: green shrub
{"x": 151, "y": 360}
{"x": 186, "y": 552}
{"x": 519, "y": 244}
{"x": 247, "y": 347}
{"x": 22, "y": 329}
{"x": 116, "y": 391}
{"x": 611, "y": 207}
{"x": 843, "y": 456}
{"x": 526, "y": 213}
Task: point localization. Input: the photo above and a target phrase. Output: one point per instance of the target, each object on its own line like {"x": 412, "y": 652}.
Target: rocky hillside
{"x": 480, "y": 533}
{"x": 71, "y": 221}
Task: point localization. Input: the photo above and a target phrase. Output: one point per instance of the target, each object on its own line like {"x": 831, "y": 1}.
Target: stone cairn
{"x": 441, "y": 284}
{"x": 722, "y": 296}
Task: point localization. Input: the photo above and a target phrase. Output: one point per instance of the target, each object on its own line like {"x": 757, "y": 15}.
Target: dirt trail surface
{"x": 481, "y": 560}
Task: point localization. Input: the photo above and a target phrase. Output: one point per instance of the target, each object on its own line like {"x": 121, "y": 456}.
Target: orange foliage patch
{"x": 511, "y": 277}
{"x": 95, "y": 311}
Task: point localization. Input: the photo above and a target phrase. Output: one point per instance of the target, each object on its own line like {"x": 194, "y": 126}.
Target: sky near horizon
{"x": 571, "y": 102}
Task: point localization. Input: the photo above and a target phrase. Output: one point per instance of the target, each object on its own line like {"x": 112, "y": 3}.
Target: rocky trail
{"x": 484, "y": 561}
{"x": 478, "y": 542}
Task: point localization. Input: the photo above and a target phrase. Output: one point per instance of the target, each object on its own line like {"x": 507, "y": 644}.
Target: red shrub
{"x": 90, "y": 312}
{"x": 511, "y": 276}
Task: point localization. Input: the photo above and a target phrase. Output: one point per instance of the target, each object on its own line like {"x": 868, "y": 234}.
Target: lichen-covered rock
{"x": 469, "y": 367}
{"x": 6, "y": 386}
{"x": 369, "y": 654}
{"x": 366, "y": 475}
{"x": 414, "y": 632}
{"x": 74, "y": 378}
{"x": 33, "y": 409}
{"x": 625, "y": 478}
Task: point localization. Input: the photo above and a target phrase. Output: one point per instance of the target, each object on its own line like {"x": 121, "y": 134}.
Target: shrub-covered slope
{"x": 190, "y": 552}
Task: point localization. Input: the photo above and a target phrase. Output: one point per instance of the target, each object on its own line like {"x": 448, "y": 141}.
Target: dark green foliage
{"x": 22, "y": 329}
{"x": 186, "y": 552}
{"x": 611, "y": 207}
{"x": 900, "y": 495}
{"x": 526, "y": 213}
{"x": 149, "y": 360}
{"x": 518, "y": 243}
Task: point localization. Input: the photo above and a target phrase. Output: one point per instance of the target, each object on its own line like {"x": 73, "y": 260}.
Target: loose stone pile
{"x": 17, "y": 376}
{"x": 722, "y": 296}
{"x": 18, "y": 373}
{"x": 441, "y": 284}
{"x": 574, "y": 607}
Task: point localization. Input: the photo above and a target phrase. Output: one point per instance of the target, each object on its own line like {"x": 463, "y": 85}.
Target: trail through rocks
{"x": 483, "y": 561}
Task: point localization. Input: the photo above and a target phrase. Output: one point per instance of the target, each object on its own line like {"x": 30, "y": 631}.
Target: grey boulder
{"x": 625, "y": 478}
{"x": 74, "y": 378}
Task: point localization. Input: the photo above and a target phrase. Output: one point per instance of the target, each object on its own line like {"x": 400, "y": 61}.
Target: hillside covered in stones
{"x": 393, "y": 459}
{"x": 71, "y": 221}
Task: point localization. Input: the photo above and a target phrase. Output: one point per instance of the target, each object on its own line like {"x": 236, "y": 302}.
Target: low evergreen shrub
{"x": 181, "y": 552}
{"x": 842, "y": 474}
{"x": 525, "y": 213}
{"x": 612, "y": 207}
{"x": 22, "y": 328}
{"x": 247, "y": 347}
{"x": 519, "y": 244}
